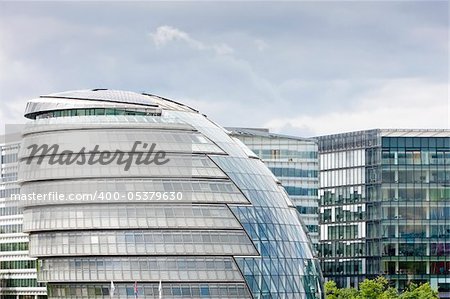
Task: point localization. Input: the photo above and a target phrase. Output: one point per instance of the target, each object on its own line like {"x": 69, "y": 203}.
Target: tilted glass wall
{"x": 294, "y": 161}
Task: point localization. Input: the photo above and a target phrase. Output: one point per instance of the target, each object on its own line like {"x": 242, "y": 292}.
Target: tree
{"x": 333, "y": 292}
{"x": 379, "y": 288}
{"x": 389, "y": 293}
{"x": 373, "y": 288}
{"x": 423, "y": 291}
{"x": 349, "y": 293}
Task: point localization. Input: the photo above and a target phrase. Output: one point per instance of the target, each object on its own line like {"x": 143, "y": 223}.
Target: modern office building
{"x": 294, "y": 161}
{"x": 385, "y": 207}
{"x": 209, "y": 220}
{"x": 17, "y": 269}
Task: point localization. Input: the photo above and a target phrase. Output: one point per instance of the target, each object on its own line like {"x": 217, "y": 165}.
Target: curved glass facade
{"x": 230, "y": 230}
{"x": 294, "y": 162}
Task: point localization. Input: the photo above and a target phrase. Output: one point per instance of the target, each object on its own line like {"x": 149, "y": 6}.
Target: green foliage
{"x": 373, "y": 288}
{"x": 389, "y": 293}
{"x": 349, "y": 293}
{"x": 379, "y": 288}
{"x": 423, "y": 291}
{"x": 333, "y": 292}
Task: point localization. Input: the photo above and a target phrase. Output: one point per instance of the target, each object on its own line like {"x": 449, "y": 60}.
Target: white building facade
{"x": 17, "y": 269}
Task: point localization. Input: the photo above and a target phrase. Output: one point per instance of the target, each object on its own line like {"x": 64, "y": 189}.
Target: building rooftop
{"x": 397, "y": 133}
{"x": 101, "y": 98}
{"x": 415, "y": 132}
{"x": 264, "y": 132}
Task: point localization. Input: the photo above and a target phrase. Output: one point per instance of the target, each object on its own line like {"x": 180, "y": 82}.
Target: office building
{"x": 294, "y": 161}
{"x": 222, "y": 225}
{"x": 385, "y": 207}
{"x": 17, "y": 269}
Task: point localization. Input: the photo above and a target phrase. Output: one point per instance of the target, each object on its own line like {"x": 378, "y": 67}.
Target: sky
{"x": 300, "y": 68}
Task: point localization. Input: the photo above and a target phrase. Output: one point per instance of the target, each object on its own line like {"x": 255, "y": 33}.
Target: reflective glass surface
{"x": 149, "y": 242}
{"x": 286, "y": 266}
{"x": 234, "y": 234}
{"x": 140, "y": 269}
{"x": 105, "y": 216}
{"x": 384, "y": 206}
{"x": 151, "y": 290}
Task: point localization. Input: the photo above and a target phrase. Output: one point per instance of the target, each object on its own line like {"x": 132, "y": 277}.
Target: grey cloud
{"x": 283, "y": 60}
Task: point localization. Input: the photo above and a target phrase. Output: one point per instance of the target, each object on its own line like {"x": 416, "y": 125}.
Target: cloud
{"x": 401, "y": 103}
{"x": 260, "y": 44}
{"x": 297, "y": 67}
{"x": 167, "y": 34}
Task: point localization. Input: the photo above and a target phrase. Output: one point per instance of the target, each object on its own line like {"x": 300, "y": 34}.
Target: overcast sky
{"x": 303, "y": 68}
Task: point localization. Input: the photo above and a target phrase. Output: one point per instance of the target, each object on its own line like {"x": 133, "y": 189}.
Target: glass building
{"x": 385, "y": 207}
{"x": 221, "y": 227}
{"x": 294, "y": 161}
{"x": 17, "y": 269}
